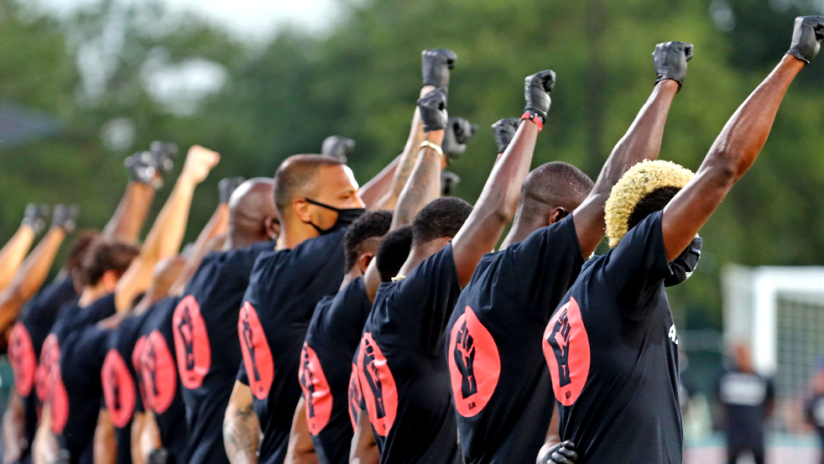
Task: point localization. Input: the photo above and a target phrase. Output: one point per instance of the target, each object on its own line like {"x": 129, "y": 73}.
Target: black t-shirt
{"x": 26, "y": 340}
{"x": 156, "y": 368}
{"x": 284, "y": 288}
{"x": 496, "y": 364}
{"x": 207, "y": 347}
{"x": 120, "y": 391}
{"x": 403, "y": 374}
{"x": 745, "y": 398}
{"x": 612, "y": 351}
{"x": 326, "y": 369}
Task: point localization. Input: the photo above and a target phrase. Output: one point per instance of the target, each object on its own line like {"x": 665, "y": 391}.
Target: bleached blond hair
{"x": 638, "y": 182}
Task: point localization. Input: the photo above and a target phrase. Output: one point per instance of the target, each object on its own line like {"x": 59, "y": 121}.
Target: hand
{"x": 141, "y": 169}
{"x": 35, "y": 216}
{"x": 433, "y": 110}
{"x": 807, "y": 36}
{"x": 536, "y": 90}
{"x": 670, "y": 61}
{"x": 449, "y": 180}
{"x": 457, "y": 134}
{"x": 162, "y": 155}
{"x": 504, "y": 130}
{"x": 158, "y": 456}
{"x": 562, "y": 453}
{"x": 227, "y": 186}
{"x": 65, "y": 217}
{"x": 199, "y": 161}
{"x": 436, "y": 65}
{"x": 337, "y": 147}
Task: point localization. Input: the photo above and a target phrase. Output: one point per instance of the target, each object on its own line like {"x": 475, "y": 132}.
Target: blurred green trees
{"x": 360, "y": 79}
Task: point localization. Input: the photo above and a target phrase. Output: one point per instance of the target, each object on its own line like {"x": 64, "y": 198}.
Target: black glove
{"x": 807, "y": 36}
{"x": 227, "y": 186}
{"x": 684, "y": 265}
{"x": 536, "y": 90}
{"x": 337, "y": 147}
{"x": 433, "y": 110}
{"x": 162, "y": 155}
{"x": 158, "y": 456}
{"x": 436, "y": 65}
{"x": 562, "y": 453}
{"x": 449, "y": 180}
{"x": 670, "y": 61}
{"x": 458, "y": 132}
{"x": 504, "y": 130}
{"x": 65, "y": 217}
{"x": 63, "y": 456}
{"x": 35, "y": 216}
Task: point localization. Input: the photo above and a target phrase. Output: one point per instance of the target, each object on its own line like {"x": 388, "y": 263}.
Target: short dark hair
{"x": 364, "y": 234}
{"x": 652, "y": 202}
{"x": 553, "y": 185}
{"x": 295, "y": 175}
{"x": 393, "y": 251}
{"x": 79, "y": 249}
{"x": 441, "y": 218}
{"x": 106, "y": 255}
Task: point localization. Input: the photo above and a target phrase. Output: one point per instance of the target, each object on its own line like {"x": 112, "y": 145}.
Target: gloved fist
{"x": 504, "y": 130}
{"x": 449, "y": 180}
{"x": 807, "y": 37}
{"x": 433, "y": 110}
{"x": 227, "y": 186}
{"x": 35, "y": 216}
{"x": 670, "y": 61}
{"x": 163, "y": 154}
{"x": 65, "y": 217}
{"x": 562, "y": 453}
{"x": 536, "y": 90}
{"x": 141, "y": 169}
{"x": 199, "y": 161}
{"x": 337, "y": 147}
{"x": 158, "y": 456}
{"x": 436, "y": 64}
{"x": 457, "y": 134}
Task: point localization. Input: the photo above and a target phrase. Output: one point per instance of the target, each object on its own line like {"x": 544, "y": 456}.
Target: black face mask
{"x": 346, "y": 216}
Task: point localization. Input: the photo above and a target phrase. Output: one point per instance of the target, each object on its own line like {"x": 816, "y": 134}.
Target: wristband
{"x": 534, "y": 117}
{"x": 427, "y": 143}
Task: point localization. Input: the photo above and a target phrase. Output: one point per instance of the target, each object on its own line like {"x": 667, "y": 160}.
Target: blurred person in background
{"x": 814, "y": 405}
{"x": 748, "y": 399}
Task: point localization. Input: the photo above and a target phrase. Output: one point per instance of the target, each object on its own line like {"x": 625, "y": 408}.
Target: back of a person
{"x": 745, "y": 397}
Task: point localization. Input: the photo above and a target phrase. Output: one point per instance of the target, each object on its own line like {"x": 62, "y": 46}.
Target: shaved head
{"x": 297, "y": 177}
{"x": 550, "y": 186}
{"x": 252, "y": 212}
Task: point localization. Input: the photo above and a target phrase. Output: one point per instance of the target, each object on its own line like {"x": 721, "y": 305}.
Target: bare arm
{"x": 364, "y": 449}
{"x": 146, "y": 438}
{"x": 105, "y": 446}
{"x": 301, "y": 449}
{"x": 166, "y": 235}
{"x": 733, "y": 152}
{"x": 216, "y": 226}
{"x": 131, "y": 213}
{"x": 13, "y": 253}
{"x": 641, "y": 142}
{"x": 45, "y": 449}
{"x": 14, "y": 425}
{"x": 30, "y": 277}
{"x": 241, "y": 430}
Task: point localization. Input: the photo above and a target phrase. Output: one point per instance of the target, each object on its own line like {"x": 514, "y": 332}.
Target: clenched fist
{"x": 199, "y": 161}
{"x": 504, "y": 131}
{"x": 670, "y": 61}
{"x": 436, "y": 64}
{"x": 536, "y": 91}
{"x": 433, "y": 110}
{"x": 457, "y": 134}
{"x": 807, "y": 37}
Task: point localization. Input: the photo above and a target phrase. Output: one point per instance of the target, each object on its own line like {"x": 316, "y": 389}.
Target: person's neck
{"x": 294, "y": 233}
{"x": 92, "y": 294}
{"x": 518, "y": 233}
{"x": 417, "y": 254}
{"x": 237, "y": 239}
{"x": 353, "y": 274}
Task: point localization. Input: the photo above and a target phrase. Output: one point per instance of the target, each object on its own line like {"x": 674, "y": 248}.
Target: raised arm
{"x": 739, "y": 143}
{"x": 241, "y": 429}
{"x": 15, "y": 250}
{"x": 641, "y": 142}
{"x": 499, "y": 198}
{"x": 301, "y": 450}
{"x": 166, "y": 235}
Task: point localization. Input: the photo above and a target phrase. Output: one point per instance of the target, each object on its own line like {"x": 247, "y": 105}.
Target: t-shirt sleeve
{"x": 635, "y": 268}
{"x": 429, "y": 294}
{"x": 540, "y": 269}
{"x": 241, "y": 374}
{"x": 684, "y": 265}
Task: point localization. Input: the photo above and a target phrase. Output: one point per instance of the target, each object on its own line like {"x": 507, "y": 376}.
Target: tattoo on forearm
{"x": 241, "y": 435}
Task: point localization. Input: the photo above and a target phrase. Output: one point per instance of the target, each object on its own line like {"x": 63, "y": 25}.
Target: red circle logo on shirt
{"x": 157, "y": 370}
{"x": 316, "y": 390}
{"x": 43, "y": 375}
{"x": 59, "y": 399}
{"x": 566, "y": 349}
{"x": 474, "y": 364}
{"x": 118, "y": 388}
{"x": 137, "y": 353}
{"x": 355, "y": 395}
{"x": 257, "y": 357}
{"x": 377, "y": 385}
{"x": 194, "y": 355}
{"x": 23, "y": 359}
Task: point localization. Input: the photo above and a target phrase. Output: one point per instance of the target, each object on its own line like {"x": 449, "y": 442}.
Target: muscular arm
{"x": 241, "y": 430}
{"x": 14, "y": 426}
{"x": 364, "y": 449}
{"x": 105, "y": 446}
{"x": 216, "y": 226}
{"x": 166, "y": 235}
{"x": 641, "y": 142}
{"x": 301, "y": 449}
{"x": 131, "y": 213}
{"x": 30, "y": 277}
{"x": 13, "y": 253}
{"x": 733, "y": 152}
